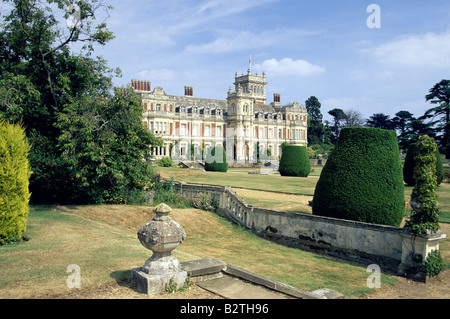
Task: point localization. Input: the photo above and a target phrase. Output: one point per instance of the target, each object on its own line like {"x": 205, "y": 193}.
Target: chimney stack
{"x": 276, "y": 97}
{"x": 139, "y": 85}
{"x": 188, "y": 91}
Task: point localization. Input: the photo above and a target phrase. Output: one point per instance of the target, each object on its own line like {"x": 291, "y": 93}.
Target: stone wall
{"x": 391, "y": 248}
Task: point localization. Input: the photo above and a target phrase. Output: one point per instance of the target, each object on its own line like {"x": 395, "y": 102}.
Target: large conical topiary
{"x": 294, "y": 161}
{"x": 362, "y": 179}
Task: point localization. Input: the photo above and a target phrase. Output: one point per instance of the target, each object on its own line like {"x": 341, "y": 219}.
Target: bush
{"x": 434, "y": 263}
{"x": 294, "y": 161}
{"x": 14, "y": 182}
{"x": 425, "y": 215}
{"x": 216, "y": 160}
{"x": 362, "y": 179}
{"x": 408, "y": 166}
{"x": 165, "y": 162}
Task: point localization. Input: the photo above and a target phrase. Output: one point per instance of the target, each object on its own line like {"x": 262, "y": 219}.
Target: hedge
{"x": 362, "y": 179}
{"x": 216, "y": 160}
{"x": 14, "y": 182}
{"x": 294, "y": 161}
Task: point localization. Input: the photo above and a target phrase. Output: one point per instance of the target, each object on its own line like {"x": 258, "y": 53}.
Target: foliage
{"x": 14, "y": 180}
{"x": 362, "y": 179}
{"x": 165, "y": 162}
{"x": 408, "y": 166}
{"x": 164, "y": 192}
{"x": 172, "y": 287}
{"x": 216, "y": 160}
{"x": 317, "y": 150}
{"x": 88, "y": 141}
{"x": 295, "y": 161}
{"x": 315, "y": 125}
{"x": 425, "y": 215}
{"x": 434, "y": 263}
{"x": 440, "y": 115}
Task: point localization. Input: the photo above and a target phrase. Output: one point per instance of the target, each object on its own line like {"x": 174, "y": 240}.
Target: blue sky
{"x": 322, "y": 48}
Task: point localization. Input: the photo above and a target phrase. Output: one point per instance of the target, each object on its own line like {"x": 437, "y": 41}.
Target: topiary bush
{"x": 294, "y": 161}
{"x": 216, "y": 160}
{"x": 408, "y": 166}
{"x": 425, "y": 214}
{"x": 362, "y": 179}
{"x": 14, "y": 182}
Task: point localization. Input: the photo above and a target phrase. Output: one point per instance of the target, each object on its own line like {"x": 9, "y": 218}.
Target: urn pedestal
{"x": 161, "y": 235}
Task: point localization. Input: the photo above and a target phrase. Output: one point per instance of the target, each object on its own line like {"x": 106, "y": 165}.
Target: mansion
{"x": 241, "y": 123}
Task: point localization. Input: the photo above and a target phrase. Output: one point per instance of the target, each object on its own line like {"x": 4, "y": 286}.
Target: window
{"x": 270, "y": 133}
{"x": 219, "y": 131}
{"x": 280, "y": 133}
{"x": 207, "y": 130}
{"x": 164, "y": 128}
{"x": 195, "y": 130}
{"x": 183, "y": 129}
{"x": 261, "y": 132}
{"x": 158, "y": 107}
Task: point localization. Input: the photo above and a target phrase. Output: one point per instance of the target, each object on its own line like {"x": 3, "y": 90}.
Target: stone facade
{"x": 240, "y": 123}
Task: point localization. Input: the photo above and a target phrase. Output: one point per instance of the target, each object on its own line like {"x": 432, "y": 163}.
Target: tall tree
{"x": 81, "y": 131}
{"x": 315, "y": 125}
{"x": 353, "y": 118}
{"x": 339, "y": 116}
{"x": 380, "y": 120}
{"x": 440, "y": 115}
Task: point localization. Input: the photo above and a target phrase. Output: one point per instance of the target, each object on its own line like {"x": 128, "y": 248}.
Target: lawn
{"x": 102, "y": 241}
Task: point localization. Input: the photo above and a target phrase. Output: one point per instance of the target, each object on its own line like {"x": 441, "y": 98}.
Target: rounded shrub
{"x": 14, "y": 182}
{"x": 362, "y": 179}
{"x": 216, "y": 160}
{"x": 294, "y": 161}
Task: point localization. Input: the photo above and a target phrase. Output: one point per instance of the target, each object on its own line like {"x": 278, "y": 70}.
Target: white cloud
{"x": 430, "y": 49}
{"x": 288, "y": 66}
{"x": 232, "y": 41}
{"x": 160, "y": 74}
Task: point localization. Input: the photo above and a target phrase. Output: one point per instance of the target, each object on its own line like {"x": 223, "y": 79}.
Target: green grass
{"x": 102, "y": 241}
{"x": 241, "y": 178}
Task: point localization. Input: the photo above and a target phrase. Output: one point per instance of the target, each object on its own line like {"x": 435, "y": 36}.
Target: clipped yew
{"x": 216, "y": 160}
{"x": 294, "y": 161}
{"x": 408, "y": 166}
{"x": 425, "y": 214}
{"x": 14, "y": 181}
{"x": 362, "y": 179}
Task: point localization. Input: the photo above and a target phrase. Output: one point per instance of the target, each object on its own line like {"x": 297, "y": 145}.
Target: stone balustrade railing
{"x": 391, "y": 248}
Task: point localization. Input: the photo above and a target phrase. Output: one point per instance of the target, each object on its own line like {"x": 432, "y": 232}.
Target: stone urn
{"x": 161, "y": 235}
